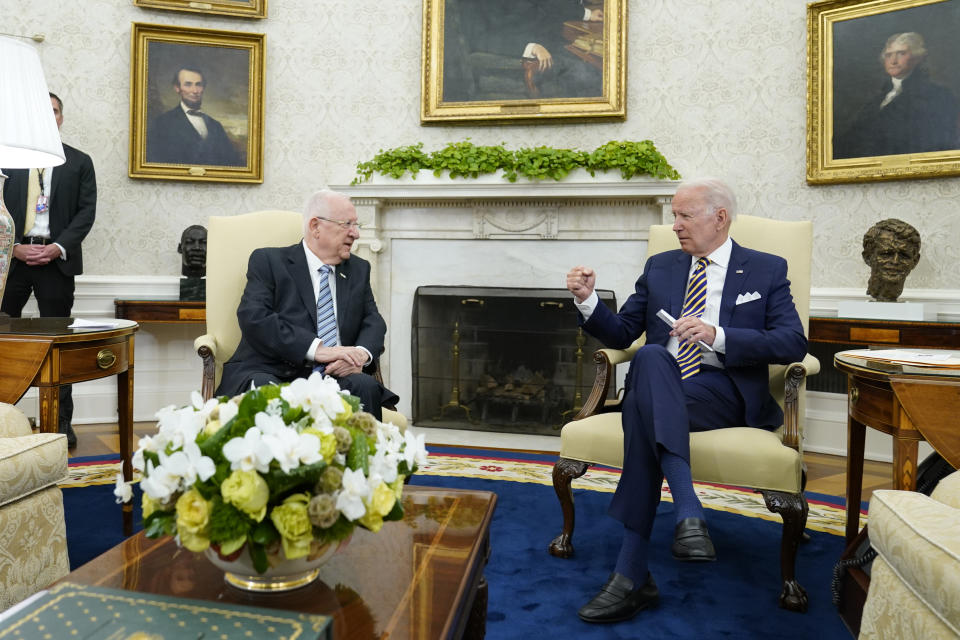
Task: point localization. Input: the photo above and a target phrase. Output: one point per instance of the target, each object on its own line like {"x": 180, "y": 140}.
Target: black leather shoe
{"x": 618, "y": 600}
{"x": 71, "y": 435}
{"x": 691, "y": 542}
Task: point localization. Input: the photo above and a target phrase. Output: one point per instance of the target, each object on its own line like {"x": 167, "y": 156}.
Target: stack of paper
{"x": 939, "y": 358}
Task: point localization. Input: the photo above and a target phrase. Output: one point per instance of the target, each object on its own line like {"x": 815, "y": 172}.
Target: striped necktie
{"x": 326, "y": 319}
{"x": 694, "y": 304}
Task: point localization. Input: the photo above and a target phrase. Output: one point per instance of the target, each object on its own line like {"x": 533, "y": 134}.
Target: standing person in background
{"x": 53, "y": 209}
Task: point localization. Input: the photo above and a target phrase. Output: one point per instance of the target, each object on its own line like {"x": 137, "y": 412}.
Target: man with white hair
{"x": 309, "y": 307}
{"x": 909, "y": 113}
{"x": 704, "y": 367}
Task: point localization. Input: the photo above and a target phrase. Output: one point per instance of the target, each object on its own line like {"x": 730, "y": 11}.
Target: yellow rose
{"x": 228, "y": 547}
{"x": 328, "y": 446}
{"x": 193, "y": 519}
{"x": 193, "y": 541}
{"x": 347, "y": 410}
{"x": 247, "y": 491}
{"x": 397, "y": 486}
{"x": 293, "y": 523}
{"x": 372, "y": 521}
{"x": 211, "y": 427}
{"x": 149, "y": 505}
{"x": 382, "y": 499}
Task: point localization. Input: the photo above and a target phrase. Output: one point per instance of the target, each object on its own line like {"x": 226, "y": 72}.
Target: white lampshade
{"x": 28, "y": 130}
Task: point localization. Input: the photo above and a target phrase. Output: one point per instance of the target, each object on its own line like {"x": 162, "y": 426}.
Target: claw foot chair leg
{"x": 792, "y": 508}
{"x": 564, "y": 472}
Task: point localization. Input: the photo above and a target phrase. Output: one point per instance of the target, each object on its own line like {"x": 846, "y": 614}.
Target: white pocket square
{"x": 748, "y": 297}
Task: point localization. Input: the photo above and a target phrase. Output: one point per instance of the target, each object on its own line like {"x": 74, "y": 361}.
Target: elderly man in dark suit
{"x": 53, "y": 210}
{"x": 187, "y": 135}
{"x": 707, "y": 369}
{"x": 310, "y": 307}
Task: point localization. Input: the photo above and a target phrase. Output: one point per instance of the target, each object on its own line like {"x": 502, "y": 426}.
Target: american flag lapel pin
{"x": 342, "y": 275}
{"x": 739, "y": 271}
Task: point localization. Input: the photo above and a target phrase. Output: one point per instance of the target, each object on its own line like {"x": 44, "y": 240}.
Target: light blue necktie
{"x": 326, "y": 319}
{"x": 694, "y": 304}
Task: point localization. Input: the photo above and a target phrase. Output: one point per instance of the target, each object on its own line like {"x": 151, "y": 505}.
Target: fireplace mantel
{"x": 490, "y": 232}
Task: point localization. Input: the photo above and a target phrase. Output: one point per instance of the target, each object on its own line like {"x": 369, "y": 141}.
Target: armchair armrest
{"x": 606, "y": 361}
{"x": 794, "y": 375}
{"x": 206, "y": 346}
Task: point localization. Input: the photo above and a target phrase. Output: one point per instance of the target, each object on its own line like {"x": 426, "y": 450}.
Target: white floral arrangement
{"x": 284, "y": 470}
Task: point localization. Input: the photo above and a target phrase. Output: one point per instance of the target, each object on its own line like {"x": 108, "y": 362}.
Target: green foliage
{"x": 282, "y": 482}
{"x": 227, "y": 522}
{"x": 465, "y": 159}
{"x": 359, "y": 455}
{"x": 339, "y": 530}
{"x": 394, "y": 162}
{"x": 540, "y": 163}
{"x": 632, "y": 158}
{"x": 160, "y": 523}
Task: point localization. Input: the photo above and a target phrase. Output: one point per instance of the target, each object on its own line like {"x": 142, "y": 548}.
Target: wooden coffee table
{"x": 419, "y": 578}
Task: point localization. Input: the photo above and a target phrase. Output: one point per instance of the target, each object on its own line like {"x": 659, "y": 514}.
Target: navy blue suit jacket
{"x": 761, "y": 332}
{"x": 278, "y": 316}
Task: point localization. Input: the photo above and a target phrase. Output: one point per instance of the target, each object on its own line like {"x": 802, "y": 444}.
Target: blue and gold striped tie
{"x": 326, "y": 319}
{"x": 694, "y": 304}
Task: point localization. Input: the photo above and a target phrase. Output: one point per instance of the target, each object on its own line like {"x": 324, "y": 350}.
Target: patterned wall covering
{"x": 719, "y": 86}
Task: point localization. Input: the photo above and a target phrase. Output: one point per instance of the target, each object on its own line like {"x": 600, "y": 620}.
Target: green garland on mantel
{"x": 467, "y": 160}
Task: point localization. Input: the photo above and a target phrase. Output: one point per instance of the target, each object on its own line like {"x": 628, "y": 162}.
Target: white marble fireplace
{"x": 493, "y": 233}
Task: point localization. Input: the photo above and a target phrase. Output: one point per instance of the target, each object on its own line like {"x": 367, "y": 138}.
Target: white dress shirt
{"x": 313, "y": 266}
{"x": 716, "y": 275}
{"x": 41, "y": 223}
{"x": 197, "y": 121}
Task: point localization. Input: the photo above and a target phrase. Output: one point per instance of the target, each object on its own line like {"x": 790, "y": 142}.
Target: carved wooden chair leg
{"x": 564, "y": 472}
{"x": 792, "y": 507}
{"x": 804, "y": 536}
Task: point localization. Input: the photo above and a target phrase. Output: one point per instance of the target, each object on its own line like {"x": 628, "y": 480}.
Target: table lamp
{"x": 28, "y": 131}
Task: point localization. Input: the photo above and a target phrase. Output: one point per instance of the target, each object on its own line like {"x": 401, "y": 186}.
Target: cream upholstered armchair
{"x": 769, "y": 461}
{"x": 915, "y": 579}
{"x": 33, "y": 534}
{"x": 230, "y": 241}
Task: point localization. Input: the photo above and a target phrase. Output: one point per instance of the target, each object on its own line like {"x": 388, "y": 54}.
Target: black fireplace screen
{"x": 500, "y": 359}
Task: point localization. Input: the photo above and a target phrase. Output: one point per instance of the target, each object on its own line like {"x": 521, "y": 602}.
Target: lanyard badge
{"x": 42, "y": 202}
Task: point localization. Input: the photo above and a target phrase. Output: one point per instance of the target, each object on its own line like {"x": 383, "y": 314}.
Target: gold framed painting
{"x": 883, "y": 90}
{"x": 239, "y": 8}
{"x": 196, "y": 104}
{"x": 503, "y": 61}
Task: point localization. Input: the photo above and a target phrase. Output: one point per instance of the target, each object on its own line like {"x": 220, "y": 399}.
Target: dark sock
{"x": 677, "y": 472}
{"x": 632, "y": 559}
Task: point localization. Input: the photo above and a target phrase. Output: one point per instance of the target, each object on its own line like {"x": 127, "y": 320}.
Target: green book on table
{"x": 70, "y": 610}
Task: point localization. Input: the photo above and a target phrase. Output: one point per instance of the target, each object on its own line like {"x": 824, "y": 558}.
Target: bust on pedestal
{"x": 891, "y": 248}
{"x": 193, "y": 249}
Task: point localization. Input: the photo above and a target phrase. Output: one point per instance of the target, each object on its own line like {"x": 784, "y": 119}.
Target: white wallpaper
{"x": 719, "y": 86}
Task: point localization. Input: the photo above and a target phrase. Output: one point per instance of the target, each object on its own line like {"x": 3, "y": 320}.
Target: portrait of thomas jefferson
{"x": 895, "y": 82}
{"x": 197, "y": 105}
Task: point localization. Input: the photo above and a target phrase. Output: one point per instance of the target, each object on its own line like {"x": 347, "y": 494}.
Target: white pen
{"x": 666, "y": 317}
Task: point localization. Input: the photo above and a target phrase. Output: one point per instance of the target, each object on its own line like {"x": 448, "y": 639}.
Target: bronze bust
{"x": 891, "y": 248}
{"x": 193, "y": 249}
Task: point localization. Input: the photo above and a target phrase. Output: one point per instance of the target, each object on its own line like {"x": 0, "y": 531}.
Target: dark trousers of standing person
{"x": 54, "y": 293}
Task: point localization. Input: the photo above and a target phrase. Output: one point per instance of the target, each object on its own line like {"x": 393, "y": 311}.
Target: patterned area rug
{"x": 824, "y": 516}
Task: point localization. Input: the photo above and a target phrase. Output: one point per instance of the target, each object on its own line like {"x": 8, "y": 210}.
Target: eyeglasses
{"x": 344, "y": 224}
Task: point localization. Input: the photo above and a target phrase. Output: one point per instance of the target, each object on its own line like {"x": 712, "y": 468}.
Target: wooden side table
{"x": 45, "y": 353}
{"x": 161, "y": 310}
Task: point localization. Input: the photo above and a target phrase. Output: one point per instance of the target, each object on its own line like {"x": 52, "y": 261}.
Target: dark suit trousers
{"x": 659, "y": 412}
{"x": 54, "y": 293}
